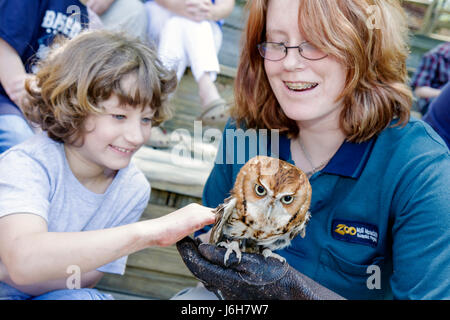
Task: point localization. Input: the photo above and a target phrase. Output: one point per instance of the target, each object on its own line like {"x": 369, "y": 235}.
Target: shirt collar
{"x": 349, "y": 160}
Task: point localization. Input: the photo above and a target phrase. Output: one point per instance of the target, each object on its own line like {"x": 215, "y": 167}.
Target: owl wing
{"x": 223, "y": 213}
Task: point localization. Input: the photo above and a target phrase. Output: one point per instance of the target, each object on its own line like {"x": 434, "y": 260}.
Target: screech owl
{"x": 267, "y": 208}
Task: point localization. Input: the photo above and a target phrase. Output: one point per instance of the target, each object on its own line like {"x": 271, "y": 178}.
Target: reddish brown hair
{"x": 376, "y": 89}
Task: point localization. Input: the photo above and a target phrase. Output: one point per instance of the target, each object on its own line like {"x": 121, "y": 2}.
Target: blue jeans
{"x": 13, "y": 130}
{"x": 74, "y": 294}
{"x": 9, "y": 293}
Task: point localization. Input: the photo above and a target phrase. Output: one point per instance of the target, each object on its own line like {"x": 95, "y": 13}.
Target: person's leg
{"x": 202, "y": 43}
{"x": 171, "y": 48}
{"x": 74, "y": 294}
{"x": 201, "y": 50}
{"x": 13, "y": 130}
{"x": 207, "y": 90}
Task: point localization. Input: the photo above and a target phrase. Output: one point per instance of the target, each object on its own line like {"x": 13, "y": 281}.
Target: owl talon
{"x": 232, "y": 246}
{"x": 268, "y": 253}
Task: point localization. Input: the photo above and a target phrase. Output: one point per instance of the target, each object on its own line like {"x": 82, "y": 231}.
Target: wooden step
{"x": 177, "y": 170}
{"x": 146, "y": 283}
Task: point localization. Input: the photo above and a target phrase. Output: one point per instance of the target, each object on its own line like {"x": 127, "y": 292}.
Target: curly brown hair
{"x": 80, "y": 73}
{"x": 376, "y": 89}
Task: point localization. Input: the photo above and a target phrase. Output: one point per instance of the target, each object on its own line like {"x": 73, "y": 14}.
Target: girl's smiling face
{"x": 112, "y": 137}
{"x": 306, "y": 90}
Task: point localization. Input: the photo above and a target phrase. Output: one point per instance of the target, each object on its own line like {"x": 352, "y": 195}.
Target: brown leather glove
{"x": 255, "y": 277}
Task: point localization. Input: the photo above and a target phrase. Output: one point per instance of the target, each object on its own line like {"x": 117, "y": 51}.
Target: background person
{"x": 432, "y": 75}
{"x": 27, "y": 28}
{"x": 188, "y": 33}
{"x": 122, "y": 15}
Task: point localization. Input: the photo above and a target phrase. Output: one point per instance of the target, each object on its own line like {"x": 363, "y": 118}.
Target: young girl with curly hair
{"x": 69, "y": 197}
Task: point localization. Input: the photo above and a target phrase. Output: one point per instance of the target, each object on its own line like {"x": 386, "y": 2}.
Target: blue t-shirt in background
{"x": 30, "y": 27}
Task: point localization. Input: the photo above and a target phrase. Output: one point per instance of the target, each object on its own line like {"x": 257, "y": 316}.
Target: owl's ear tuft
{"x": 301, "y": 177}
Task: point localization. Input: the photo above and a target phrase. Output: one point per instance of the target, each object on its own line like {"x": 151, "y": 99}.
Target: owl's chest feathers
{"x": 253, "y": 223}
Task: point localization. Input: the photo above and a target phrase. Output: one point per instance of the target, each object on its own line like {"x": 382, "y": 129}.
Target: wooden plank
{"x": 232, "y": 33}
{"x": 154, "y": 211}
{"x": 171, "y": 199}
{"x": 167, "y": 170}
{"x": 228, "y": 71}
{"x": 145, "y": 283}
{"x": 160, "y": 260}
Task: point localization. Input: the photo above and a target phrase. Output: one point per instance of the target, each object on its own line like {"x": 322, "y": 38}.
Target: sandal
{"x": 216, "y": 112}
{"x": 159, "y": 138}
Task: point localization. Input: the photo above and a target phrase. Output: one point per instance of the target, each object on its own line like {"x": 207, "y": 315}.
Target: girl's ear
{"x": 88, "y": 124}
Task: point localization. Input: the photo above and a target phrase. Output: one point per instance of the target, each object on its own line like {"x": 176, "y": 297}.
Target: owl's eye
{"x": 260, "y": 190}
{"x": 287, "y": 199}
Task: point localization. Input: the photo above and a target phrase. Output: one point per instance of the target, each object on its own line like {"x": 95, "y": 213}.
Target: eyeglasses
{"x": 276, "y": 51}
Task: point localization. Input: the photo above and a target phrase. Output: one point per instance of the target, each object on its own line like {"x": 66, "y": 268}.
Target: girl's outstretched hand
{"x": 167, "y": 230}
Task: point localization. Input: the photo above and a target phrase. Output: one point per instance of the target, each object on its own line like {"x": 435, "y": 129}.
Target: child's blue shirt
{"x": 380, "y": 225}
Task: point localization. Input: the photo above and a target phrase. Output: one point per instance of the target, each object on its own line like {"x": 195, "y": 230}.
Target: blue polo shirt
{"x": 380, "y": 225}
